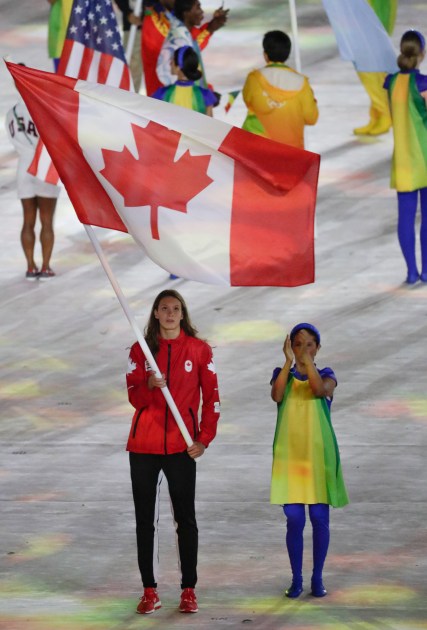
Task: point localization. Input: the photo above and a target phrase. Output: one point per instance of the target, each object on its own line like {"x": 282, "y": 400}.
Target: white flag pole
{"x": 132, "y": 33}
{"x": 295, "y": 41}
{"x": 294, "y": 26}
{"x": 140, "y": 337}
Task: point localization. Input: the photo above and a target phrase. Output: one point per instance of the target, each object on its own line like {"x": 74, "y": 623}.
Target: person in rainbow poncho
{"x": 407, "y": 92}
{"x": 185, "y": 92}
{"x": 306, "y": 460}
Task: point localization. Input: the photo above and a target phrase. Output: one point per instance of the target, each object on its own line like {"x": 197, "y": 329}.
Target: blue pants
{"x": 295, "y": 523}
{"x": 407, "y": 209}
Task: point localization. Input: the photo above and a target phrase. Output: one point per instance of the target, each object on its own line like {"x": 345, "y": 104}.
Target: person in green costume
{"x": 306, "y": 462}
{"x": 407, "y": 92}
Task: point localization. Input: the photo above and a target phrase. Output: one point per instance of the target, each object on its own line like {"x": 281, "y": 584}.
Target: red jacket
{"x": 187, "y": 364}
{"x": 155, "y": 27}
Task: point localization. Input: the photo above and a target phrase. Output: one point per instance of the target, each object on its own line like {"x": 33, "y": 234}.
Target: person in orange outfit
{"x": 280, "y": 101}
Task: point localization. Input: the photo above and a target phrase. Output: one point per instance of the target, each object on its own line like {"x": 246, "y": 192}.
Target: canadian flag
{"x": 205, "y": 200}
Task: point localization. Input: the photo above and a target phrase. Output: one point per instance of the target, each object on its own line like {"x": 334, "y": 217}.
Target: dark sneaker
{"x": 149, "y": 602}
{"x": 32, "y": 274}
{"x": 188, "y": 603}
{"x": 46, "y": 274}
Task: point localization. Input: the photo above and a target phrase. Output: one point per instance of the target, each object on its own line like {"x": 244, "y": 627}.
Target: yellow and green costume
{"x": 277, "y": 112}
{"x": 409, "y": 113}
{"x": 379, "y": 112}
{"x": 306, "y": 460}
{"x": 386, "y": 12}
{"x": 59, "y": 17}
{"x": 186, "y": 94}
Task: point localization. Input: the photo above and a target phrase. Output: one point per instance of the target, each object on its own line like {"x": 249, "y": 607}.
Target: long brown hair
{"x": 411, "y": 48}
{"x": 152, "y": 330}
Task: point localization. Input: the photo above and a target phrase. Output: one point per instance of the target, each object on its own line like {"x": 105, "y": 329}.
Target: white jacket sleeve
{"x": 163, "y": 67}
{"x": 178, "y": 36}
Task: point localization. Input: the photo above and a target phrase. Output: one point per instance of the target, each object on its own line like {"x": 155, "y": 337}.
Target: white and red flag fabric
{"x": 92, "y": 51}
{"x": 206, "y": 201}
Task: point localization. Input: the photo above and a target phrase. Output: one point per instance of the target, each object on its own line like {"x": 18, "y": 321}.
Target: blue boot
{"x": 295, "y": 589}
{"x": 412, "y": 278}
{"x": 317, "y": 588}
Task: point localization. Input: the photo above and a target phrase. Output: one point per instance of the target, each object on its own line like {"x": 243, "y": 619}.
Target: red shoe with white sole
{"x": 150, "y": 602}
{"x": 188, "y": 602}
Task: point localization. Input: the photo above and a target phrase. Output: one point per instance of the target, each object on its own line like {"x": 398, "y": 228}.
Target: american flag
{"x": 93, "y": 51}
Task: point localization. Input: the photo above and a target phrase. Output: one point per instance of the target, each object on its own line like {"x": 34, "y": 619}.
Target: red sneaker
{"x": 150, "y": 602}
{"x": 188, "y": 602}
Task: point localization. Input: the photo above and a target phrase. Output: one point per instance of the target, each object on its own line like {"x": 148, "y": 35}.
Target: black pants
{"x": 180, "y": 472}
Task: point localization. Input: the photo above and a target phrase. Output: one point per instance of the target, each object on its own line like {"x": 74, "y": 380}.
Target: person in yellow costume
{"x": 379, "y": 113}
{"x": 407, "y": 92}
{"x": 306, "y": 467}
{"x": 280, "y": 101}
{"x": 59, "y": 17}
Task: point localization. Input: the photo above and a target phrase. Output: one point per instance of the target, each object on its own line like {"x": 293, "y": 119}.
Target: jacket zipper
{"x": 136, "y": 422}
{"x": 194, "y": 423}
{"x": 167, "y": 408}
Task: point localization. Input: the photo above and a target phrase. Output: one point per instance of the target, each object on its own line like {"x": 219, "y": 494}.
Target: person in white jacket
{"x": 37, "y": 196}
{"x": 188, "y": 14}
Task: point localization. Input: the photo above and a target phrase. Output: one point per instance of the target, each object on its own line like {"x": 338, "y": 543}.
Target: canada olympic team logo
{"x": 188, "y": 365}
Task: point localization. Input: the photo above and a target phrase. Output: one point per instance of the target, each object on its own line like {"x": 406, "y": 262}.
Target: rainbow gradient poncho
{"x": 186, "y": 94}
{"x": 409, "y": 114}
{"x": 306, "y": 459}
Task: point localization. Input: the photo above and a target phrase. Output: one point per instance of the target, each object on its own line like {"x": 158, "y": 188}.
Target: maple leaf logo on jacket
{"x": 163, "y": 182}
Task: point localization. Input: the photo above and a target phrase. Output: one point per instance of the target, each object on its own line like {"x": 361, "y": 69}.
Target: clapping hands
{"x": 287, "y": 349}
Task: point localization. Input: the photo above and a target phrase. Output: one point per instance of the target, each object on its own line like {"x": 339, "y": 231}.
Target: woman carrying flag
{"x": 156, "y": 445}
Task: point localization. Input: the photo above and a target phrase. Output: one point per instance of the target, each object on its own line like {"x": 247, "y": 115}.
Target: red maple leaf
{"x": 155, "y": 178}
